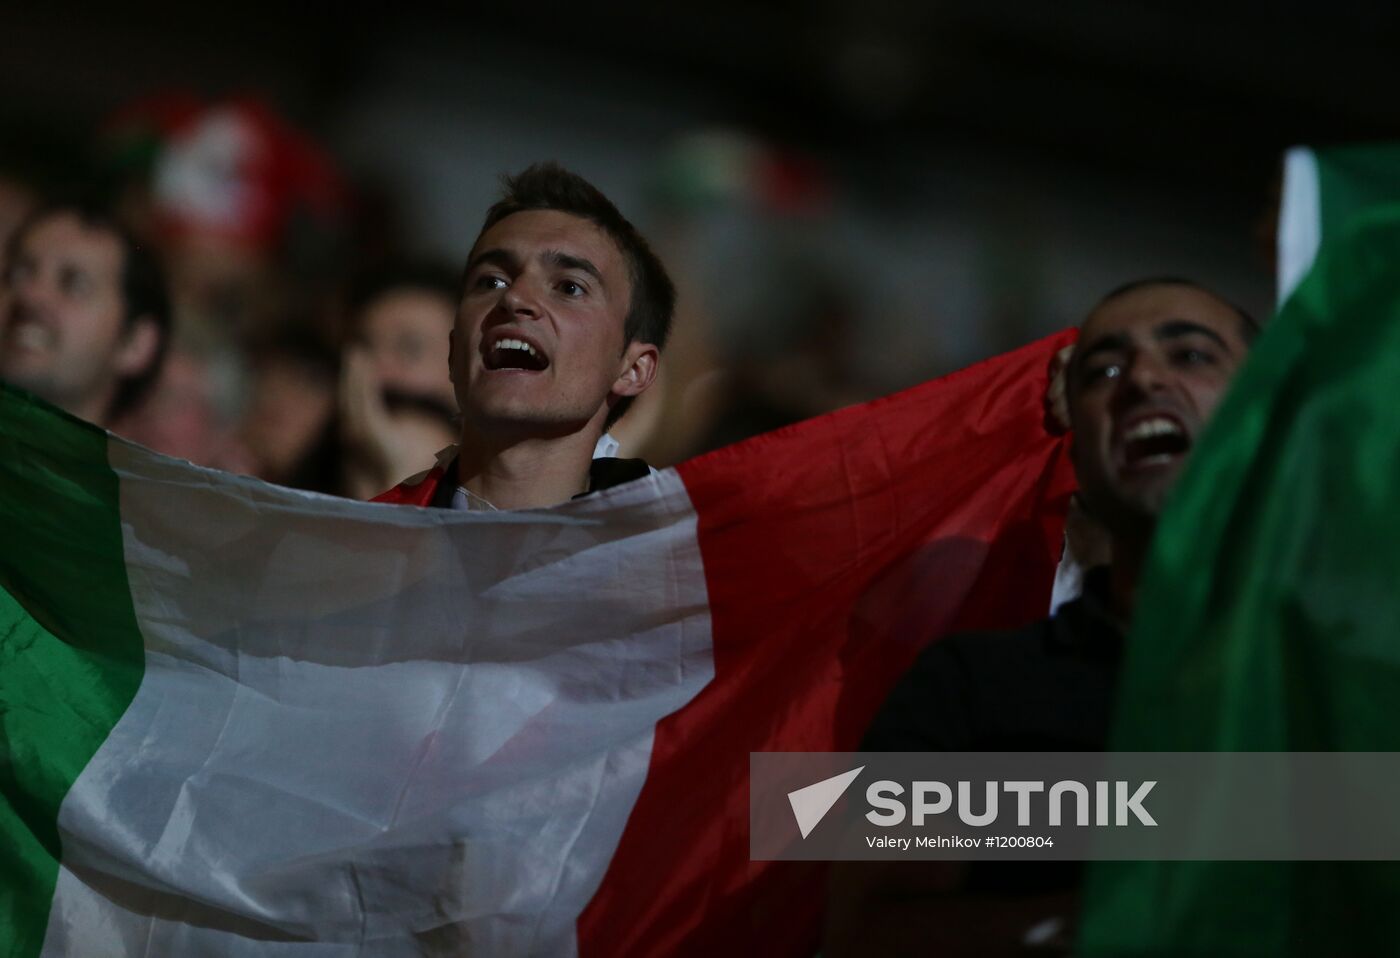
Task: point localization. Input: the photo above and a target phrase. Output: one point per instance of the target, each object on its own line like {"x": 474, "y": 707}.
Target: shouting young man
{"x": 562, "y": 315}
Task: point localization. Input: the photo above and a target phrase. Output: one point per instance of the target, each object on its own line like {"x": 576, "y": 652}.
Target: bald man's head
{"x": 1153, "y": 361}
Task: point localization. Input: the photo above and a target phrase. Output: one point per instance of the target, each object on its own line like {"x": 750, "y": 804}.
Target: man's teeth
{"x": 1157, "y": 426}
{"x": 517, "y": 344}
{"x": 28, "y": 335}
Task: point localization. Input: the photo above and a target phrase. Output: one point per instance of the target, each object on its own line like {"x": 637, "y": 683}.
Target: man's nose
{"x": 1144, "y": 376}
{"x": 520, "y": 299}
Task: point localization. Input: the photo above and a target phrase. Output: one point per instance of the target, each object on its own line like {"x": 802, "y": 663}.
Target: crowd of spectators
{"x": 303, "y": 342}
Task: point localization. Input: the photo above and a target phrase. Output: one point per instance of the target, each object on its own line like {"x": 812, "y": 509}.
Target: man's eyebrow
{"x": 1177, "y": 328}
{"x": 567, "y": 261}
{"x": 499, "y": 257}
{"x": 1107, "y": 343}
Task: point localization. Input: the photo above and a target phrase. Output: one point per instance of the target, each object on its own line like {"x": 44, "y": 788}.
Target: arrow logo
{"x": 810, "y": 804}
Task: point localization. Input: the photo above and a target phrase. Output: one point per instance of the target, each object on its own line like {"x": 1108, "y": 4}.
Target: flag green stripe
{"x": 71, "y": 654}
{"x": 1268, "y": 618}
{"x": 1355, "y": 179}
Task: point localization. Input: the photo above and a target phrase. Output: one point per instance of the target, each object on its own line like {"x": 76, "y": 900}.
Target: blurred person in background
{"x": 247, "y": 212}
{"x": 401, "y": 319}
{"x": 357, "y": 423}
{"x": 1153, "y": 361}
{"x": 247, "y": 208}
{"x": 293, "y": 398}
{"x": 192, "y": 411}
{"x": 384, "y": 434}
{"x": 768, "y": 331}
{"x": 84, "y": 313}
{"x": 789, "y": 351}
{"x": 396, "y": 402}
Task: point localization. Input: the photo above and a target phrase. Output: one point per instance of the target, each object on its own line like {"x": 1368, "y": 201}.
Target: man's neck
{"x": 93, "y": 407}
{"x": 525, "y": 473}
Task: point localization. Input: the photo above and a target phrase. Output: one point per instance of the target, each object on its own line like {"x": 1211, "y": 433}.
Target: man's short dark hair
{"x": 548, "y": 186}
{"x": 1249, "y": 326}
{"x": 142, "y": 282}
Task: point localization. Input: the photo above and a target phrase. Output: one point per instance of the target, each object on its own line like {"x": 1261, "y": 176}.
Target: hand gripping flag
{"x": 1269, "y": 619}
{"x": 238, "y": 720}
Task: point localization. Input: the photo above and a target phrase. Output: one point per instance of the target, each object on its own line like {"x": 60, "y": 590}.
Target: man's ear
{"x": 137, "y": 349}
{"x": 1057, "y": 420}
{"x": 640, "y": 371}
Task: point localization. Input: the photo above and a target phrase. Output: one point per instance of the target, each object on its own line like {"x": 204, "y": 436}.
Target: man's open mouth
{"x": 510, "y": 353}
{"x": 30, "y": 335}
{"x": 1156, "y": 440}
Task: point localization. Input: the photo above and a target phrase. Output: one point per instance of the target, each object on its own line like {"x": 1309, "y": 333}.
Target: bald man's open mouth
{"x": 1152, "y": 439}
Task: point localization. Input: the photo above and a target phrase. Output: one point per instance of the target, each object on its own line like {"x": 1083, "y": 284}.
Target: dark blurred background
{"x": 853, "y": 196}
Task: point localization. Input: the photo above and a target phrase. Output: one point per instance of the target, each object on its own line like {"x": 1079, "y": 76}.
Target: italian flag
{"x": 1269, "y": 619}
{"x": 237, "y": 719}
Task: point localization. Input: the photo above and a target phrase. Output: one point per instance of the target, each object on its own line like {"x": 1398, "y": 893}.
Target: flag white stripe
{"x": 1299, "y": 219}
{"x": 376, "y": 730}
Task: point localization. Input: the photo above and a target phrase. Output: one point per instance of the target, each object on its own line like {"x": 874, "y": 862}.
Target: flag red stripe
{"x": 415, "y": 491}
{"x": 834, "y": 550}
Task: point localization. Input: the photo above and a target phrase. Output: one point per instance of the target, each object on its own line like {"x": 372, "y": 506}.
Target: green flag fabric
{"x": 1322, "y": 192}
{"x": 1269, "y": 616}
{"x": 68, "y": 673}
